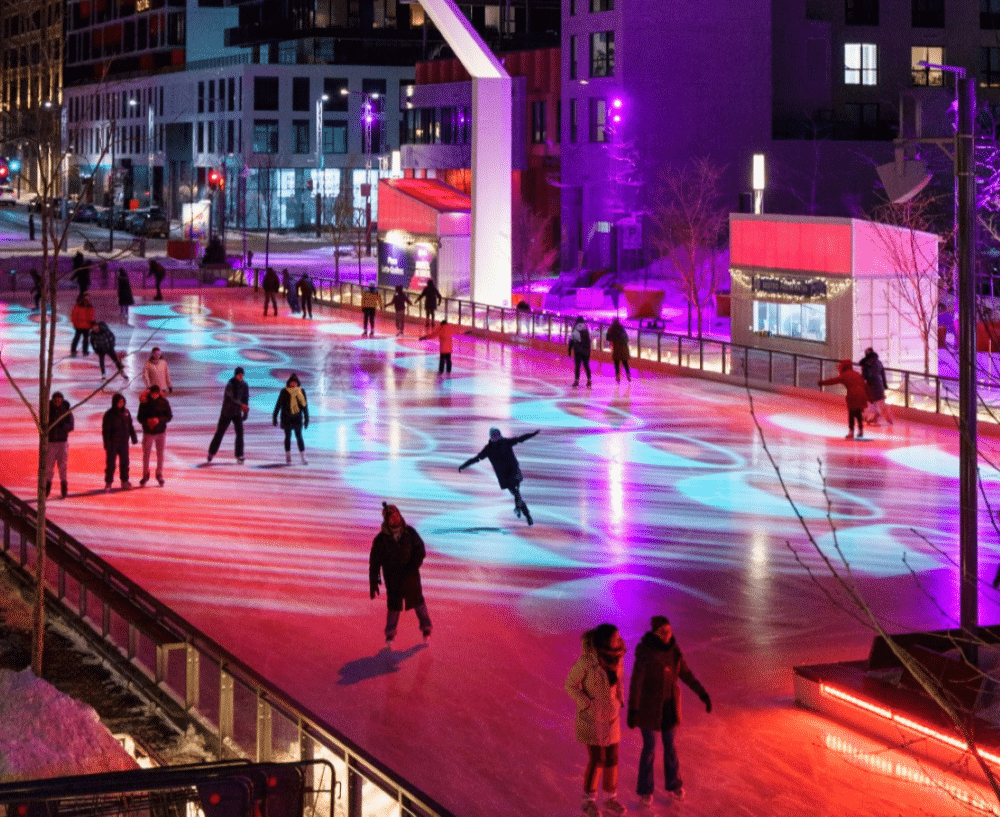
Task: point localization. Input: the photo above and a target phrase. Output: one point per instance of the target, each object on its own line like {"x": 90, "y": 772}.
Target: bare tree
{"x": 340, "y": 225}
{"x": 533, "y": 250}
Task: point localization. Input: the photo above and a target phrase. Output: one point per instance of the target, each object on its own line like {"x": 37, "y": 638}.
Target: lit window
{"x": 802, "y": 321}
{"x": 860, "y": 64}
{"x": 922, "y": 75}
{"x": 602, "y": 54}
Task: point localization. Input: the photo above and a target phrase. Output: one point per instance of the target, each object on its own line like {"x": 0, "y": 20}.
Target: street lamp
{"x": 758, "y": 183}
{"x": 320, "y": 163}
{"x": 369, "y": 115}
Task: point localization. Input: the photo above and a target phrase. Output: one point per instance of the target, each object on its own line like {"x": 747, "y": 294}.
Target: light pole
{"x": 369, "y": 114}
{"x": 320, "y": 164}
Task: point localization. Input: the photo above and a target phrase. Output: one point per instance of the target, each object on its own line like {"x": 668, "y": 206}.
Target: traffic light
{"x": 14, "y": 165}
{"x": 215, "y": 181}
{"x": 4, "y": 170}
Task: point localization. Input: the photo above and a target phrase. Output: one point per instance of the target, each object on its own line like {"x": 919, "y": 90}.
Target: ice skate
{"x": 590, "y": 808}
{"x": 144, "y": 480}
{"x": 613, "y": 806}
{"x": 302, "y": 456}
{"x": 677, "y": 794}
{"x": 159, "y": 479}
{"x": 288, "y": 458}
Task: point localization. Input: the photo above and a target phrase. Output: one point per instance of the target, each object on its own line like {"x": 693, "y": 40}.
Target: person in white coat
{"x": 157, "y": 372}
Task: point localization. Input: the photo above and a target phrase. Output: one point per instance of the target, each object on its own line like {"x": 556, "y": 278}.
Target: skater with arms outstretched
{"x": 499, "y": 451}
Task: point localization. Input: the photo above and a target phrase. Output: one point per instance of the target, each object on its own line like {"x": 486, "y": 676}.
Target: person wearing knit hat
{"x": 654, "y": 704}
{"x": 294, "y": 411}
{"x": 396, "y": 556}
{"x": 500, "y": 452}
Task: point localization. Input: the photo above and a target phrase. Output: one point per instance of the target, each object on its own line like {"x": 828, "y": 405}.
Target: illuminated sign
{"x": 811, "y": 289}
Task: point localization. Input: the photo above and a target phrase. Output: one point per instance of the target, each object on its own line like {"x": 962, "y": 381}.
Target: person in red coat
{"x": 856, "y": 396}
{"x": 444, "y": 332}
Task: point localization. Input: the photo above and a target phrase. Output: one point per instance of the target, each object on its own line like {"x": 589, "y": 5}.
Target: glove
{"x": 374, "y": 590}
{"x": 630, "y": 719}
{"x": 461, "y": 467}
{"x": 708, "y": 704}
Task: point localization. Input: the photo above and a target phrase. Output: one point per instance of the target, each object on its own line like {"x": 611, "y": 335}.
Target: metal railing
{"x": 245, "y": 715}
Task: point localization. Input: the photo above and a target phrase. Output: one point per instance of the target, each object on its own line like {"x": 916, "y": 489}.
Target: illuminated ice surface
{"x": 658, "y": 498}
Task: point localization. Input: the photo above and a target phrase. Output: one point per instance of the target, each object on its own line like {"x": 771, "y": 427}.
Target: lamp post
{"x": 758, "y": 183}
{"x": 369, "y": 114}
{"x": 320, "y": 164}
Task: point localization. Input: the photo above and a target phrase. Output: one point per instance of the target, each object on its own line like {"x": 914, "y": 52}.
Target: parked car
{"x": 148, "y": 222}
{"x": 84, "y": 214}
{"x": 8, "y": 196}
{"x": 112, "y": 216}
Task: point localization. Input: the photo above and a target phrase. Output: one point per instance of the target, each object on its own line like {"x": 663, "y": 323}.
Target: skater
{"x": 873, "y": 372}
{"x": 430, "y": 295}
{"x": 235, "y": 408}
{"x": 158, "y": 272}
{"x": 399, "y": 302}
{"x": 117, "y": 431}
{"x": 618, "y": 340}
{"x": 306, "y": 291}
{"x": 102, "y": 340}
{"x": 856, "y": 396}
{"x": 579, "y": 348}
{"x": 125, "y": 298}
{"x": 291, "y": 293}
{"x": 60, "y": 425}
{"x": 595, "y": 684}
{"x": 294, "y": 411}
{"x": 371, "y": 300}
{"x": 31, "y": 226}
{"x": 154, "y": 414}
{"x": 157, "y": 372}
{"x": 444, "y": 332}
{"x": 82, "y": 317}
{"x": 36, "y": 286}
{"x": 271, "y": 285}
{"x": 500, "y": 452}
{"x": 81, "y": 273}
{"x": 654, "y": 704}
{"x": 398, "y": 551}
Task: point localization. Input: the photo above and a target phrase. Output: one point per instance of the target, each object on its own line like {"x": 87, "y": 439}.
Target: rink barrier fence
{"x": 242, "y": 714}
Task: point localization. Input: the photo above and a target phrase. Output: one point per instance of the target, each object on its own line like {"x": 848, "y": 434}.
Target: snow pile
{"x": 44, "y": 733}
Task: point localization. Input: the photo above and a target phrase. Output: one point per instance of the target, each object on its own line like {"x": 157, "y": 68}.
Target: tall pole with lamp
{"x": 320, "y": 164}
{"x": 369, "y": 115}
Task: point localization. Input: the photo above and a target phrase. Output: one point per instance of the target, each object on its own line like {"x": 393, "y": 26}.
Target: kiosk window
{"x": 800, "y": 321}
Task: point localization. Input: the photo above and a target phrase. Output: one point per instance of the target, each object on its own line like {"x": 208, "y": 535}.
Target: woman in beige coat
{"x": 595, "y": 684}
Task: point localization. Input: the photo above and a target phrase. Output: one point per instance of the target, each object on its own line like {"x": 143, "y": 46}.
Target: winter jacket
{"x": 292, "y": 414}
{"x": 654, "y": 691}
{"x": 102, "y": 339}
{"x": 874, "y": 375}
{"x": 306, "y": 288}
{"x": 430, "y": 295}
{"x": 618, "y": 338}
{"x": 371, "y": 300}
{"x": 60, "y": 422}
{"x": 125, "y": 291}
{"x": 151, "y": 408}
{"x": 445, "y": 332}
{"x": 117, "y": 428}
{"x": 598, "y": 701}
{"x": 271, "y": 282}
{"x": 82, "y": 316}
{"x": 857, "y": 389}
{"x": 500, "y": 453}
{"x": 399, "y": 563}
{"x": 579, "y": 340}
{"x": 157, "y": 372}
{"x": 399, "y": 301}
{"x": 236, "y": 395}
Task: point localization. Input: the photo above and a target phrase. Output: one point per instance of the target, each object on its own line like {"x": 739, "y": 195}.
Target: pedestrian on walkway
{"x": 36, "y": 286}
{"x": 293, "y": 410}
{"x": 500, "y": 452}
{"x": 291, "y": 293}
{"x": 371, "y": 300}
{"x": 159, "y": 273}
{"x": 873, "y": 373}
{"x": 102, "y": 340}
{"x": 397, "y": 553}
{"x": 856, "y": 396}
{"x": 654, "y": 704}
{"x": 31, "y": 226}
{"x": 430, "y": 295}
{"x": 306, "y": 291}
{"x": 579, "y": 348}
{"x": 117, "y": 431}
{"x": 235, "y": 408}
{"x": 125, "y": 298}
{"x": 445, "y": 332}
{"x": 57, "y": 453}
{"x": 618, "y": 340}
{"x": 595, "y": 685}
{"x": 399, "y": 302}
{"x": 154, "y": 414}
{"x": 82, "y": 317}
{"x": 157, "y": 372}
{"x": 271, "y": 284}
{"x": 81, "y": 273}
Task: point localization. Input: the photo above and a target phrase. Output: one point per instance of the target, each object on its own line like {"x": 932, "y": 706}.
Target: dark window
{"x": 232, "y": 95}
{"x": 265, "y": 136}
{"x": 230, "y": 136}
{"x": 989, "y": 67}
{"x": 335, "y": 136}
{"x": 928, "y": 13}
{"x": 989, "y": 14}
{"x": 265, "y": 96}
{"x": 337, "y": 98}
{"x": 572, "y": 57}
{"x": 201, "y": 97}
{"x": 864, "y": 117}
{"x": 300, "y": 93}
{"x": 201, "y": 137}
{"x": 573, "y": 120}
{"x": 602, "y": 54}
{"x": 211, "y": 96}
{"x": 861, "y": 12}
{"x": 538, "y": 121}
{"x": 602, "y": 5}
{"x": 557, "y": 130}
{"x": 300, "y": 136}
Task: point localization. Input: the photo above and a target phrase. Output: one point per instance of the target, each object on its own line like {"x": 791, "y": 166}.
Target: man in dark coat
{"x": 500, "y": 452}
{"x": 397, "y": 552}
{"x": 117, "y": 432}
{"x": 306, "y": 290}
{"x": 102, "y": 341}
{"x": 430, "y": 295}
{"x": 81, "y": 273}
{"x": 873, "y": 373}
{"x": 154, "y": 414}
{"x": 579, "y": 348}
{"x": 271, "y": 284}
{"x": 158, "y": 273}
{"x": 57, "y": 453}
{"x": 654, "y": 704}
{"x": 235, "y": 407}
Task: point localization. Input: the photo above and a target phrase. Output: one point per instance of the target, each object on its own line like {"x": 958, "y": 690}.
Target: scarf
{"x": 610, "y": 658}
{"x": 296, "y": 399}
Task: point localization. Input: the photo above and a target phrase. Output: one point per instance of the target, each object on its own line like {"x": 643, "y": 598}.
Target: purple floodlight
{"x": 617, "y": 102}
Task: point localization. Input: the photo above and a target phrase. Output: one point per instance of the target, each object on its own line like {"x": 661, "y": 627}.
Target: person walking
{"x": 371, "y": 300}
{"x": 306, "y": 291}
{"x": 856, "y": 396}
{"x": 36, "y": 286}
{"x": 117, "y": 432}
{"x": 654, "y": 704}
{"x": 397, "y": 553}
{"x": 81, "y": 273}
{"x": 82, "y": 317}
{"x": 618, "y": 340}
{"x": 57, "y": 453}
{"x": 125, "y": 298}
{"x": 271, "y": 284}
{"x": 235, "y": 408}
{"x": 399, "y": 302}
{"x": 595, "y": 685}
{"x": 431, "y": 296}
{"x": 157, "y": 372}
{"x": 102, "y": 340}
{"x": 159, "y": 273}
{"x": 293, "y": 410}
{"x": 500, "y": 452}
{"x": 579, "y": 348}
{"x": 291, "y": 293}
{"x": 31, "y": 226}
{"x": 154, "y": 414}
{"x": 873, "y": 373}
{"x": 445, "y": 332}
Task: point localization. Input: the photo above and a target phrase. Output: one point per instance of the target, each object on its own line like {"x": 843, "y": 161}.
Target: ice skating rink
{"x": 654, "y": 499}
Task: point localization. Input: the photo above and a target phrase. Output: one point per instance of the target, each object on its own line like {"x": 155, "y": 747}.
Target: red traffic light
{"x": 215, "y": 180}
{"x": 4, "y": 170}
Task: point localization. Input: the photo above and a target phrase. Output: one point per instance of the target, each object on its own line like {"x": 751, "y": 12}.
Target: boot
{"x": 48, "y": 487}
{"x": 302, "y": 454}
{"x": 288, "y": 457}
{"x": 64, "y": 486}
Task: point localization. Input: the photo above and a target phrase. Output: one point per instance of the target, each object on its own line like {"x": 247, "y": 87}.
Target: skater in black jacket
{"x": 499, "y": 451}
